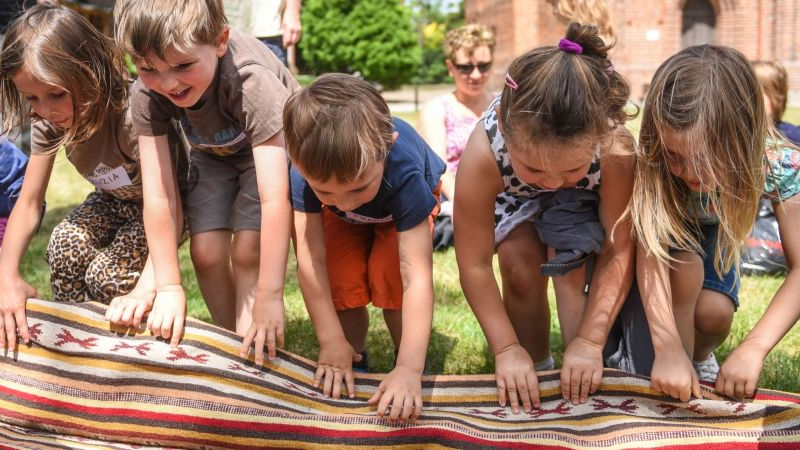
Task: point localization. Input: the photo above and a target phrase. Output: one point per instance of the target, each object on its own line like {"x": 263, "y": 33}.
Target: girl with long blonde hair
{"x": 701, "y": 170}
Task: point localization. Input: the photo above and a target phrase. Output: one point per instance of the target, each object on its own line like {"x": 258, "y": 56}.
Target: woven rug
{"x": 80, "y": 385}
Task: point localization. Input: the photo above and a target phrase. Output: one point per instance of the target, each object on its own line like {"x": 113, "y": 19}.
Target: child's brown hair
{"x": 59, "y": 47}
{"x": 556, "y": 94}
{"x": 775, "y": 84}
{"x": 144, "y": 26}
{"x": 336, "y": 127}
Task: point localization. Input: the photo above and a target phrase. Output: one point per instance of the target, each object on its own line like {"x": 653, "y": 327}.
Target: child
{"x": 56, "y": 68}
{"x": 365, "y": 190}
{"x": 556, "y": 124}
{"x": 701, "y": 171}
{"x": 227, "y": 91}
{"x": 774, "y": 83}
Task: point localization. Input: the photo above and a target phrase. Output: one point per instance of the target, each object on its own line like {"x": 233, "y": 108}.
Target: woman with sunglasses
{"x": 446, "y": 121}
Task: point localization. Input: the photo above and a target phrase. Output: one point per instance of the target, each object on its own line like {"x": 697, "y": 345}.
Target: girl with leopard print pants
{"x": 70, "y": 80}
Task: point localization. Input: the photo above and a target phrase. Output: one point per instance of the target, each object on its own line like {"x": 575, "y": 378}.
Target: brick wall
{"x": 649, "y": 31}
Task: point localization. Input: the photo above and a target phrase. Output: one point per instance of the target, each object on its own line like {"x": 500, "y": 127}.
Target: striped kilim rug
{"x": 82, "y": 386}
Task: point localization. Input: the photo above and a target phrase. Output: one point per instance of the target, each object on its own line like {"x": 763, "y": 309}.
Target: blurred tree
{"x": 436, "y": 17}
{"x": 373, "y": 37}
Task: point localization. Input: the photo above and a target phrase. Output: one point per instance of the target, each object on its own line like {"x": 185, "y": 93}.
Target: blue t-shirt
{"x": 411, "y": 174}
{"x": 792, "y": 132}
{"x": 12, "y": 170}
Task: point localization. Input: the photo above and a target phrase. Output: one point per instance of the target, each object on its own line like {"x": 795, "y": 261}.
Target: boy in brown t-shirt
{"x": 227, "y": 90}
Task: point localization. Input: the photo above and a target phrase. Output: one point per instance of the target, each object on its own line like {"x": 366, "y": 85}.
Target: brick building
{"x": 649, "y": 31}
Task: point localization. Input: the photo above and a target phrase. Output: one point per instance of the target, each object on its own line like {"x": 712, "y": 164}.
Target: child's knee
{"x": 207, "y": 257}
{"x": 67, "y": 250}
{"x": 245, "y": 255}
{"x": 714, "y": 313}
{"x": 520, "y": 279}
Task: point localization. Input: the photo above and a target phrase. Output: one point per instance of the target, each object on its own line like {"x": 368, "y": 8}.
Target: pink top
{"x": 458, "y": 127}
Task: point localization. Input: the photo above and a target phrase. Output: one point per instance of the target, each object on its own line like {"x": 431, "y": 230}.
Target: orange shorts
{"x": 363, "y": 261}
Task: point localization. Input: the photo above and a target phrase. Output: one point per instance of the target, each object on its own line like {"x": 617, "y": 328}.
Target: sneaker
{"x": 361, "y": 366}
{"x": 545, "y": 364}
{"x": 707, "y": 369}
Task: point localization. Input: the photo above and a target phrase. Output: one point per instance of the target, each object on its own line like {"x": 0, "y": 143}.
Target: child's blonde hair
{"x": 467, "y": 37}
{"x": 775, "y": 84}
{"x": 710, "y": 96}
{"x": 144, "y": 26}
{"x": 336, "y": 127}
{"x": 58, "y": 46}
{"x": 554, "y": 94}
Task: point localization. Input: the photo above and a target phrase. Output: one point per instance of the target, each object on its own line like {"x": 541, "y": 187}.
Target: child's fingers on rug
{"x": 22, "y": 326}
{"x": 9, "y": 338}
{"x": 177, "y": 331}
{"x": 513, "y": 399}
{"x": 566, "y": 374}
{"x": 533, "y": 390}
{"x": 350, "y": 383}
{"x": 696, "y": 391}
{"x": 525, "y": 393}
{"x": 501, "y": 391}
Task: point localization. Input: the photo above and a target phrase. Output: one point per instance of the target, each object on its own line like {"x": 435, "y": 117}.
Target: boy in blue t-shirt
{"x": 365, "y": 190}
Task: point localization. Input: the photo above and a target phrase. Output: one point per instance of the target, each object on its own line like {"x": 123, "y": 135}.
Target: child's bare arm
{"x": 14, "y": 291}
{"x": 161, "y": 206}
{"x": 272, "y": 174}
{"x": 583, "y": 364}
{"x": 402, "y": 389}
{"x": 739, "y": 374}
{"x": 129, "y": 309}
{"x": 478, "y": 183}
{"x": 336, "y": 355}
{"x": 672, "y": 371}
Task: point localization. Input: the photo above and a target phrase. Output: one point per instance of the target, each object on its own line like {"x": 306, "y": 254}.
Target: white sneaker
{"x": 707, "y": 369}
{"x": 547, "y": 364}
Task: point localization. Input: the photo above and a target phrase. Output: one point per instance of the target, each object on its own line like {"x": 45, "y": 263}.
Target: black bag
{"x": 763, "y": 253}
{"x": 442, "y": 232}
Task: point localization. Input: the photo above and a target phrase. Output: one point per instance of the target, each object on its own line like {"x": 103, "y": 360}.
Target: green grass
{"x": 457, "y": 342}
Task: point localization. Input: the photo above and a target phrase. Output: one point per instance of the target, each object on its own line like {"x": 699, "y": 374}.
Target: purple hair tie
{"x": 511, "y": 83}
{"x": 568, "y": 46}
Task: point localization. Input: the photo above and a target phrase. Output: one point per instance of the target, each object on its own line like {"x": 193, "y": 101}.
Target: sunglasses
{"x": 467, "y": 69}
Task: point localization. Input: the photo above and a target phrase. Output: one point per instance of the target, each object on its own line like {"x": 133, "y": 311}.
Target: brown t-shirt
{"x": 109, "y": 159}
{"x": 243, "y": 108}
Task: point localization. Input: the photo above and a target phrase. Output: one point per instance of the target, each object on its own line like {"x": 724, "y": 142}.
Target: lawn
{"x": 457, "y": 343}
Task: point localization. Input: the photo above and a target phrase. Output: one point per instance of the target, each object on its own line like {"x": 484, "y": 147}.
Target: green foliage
{"x": 373, "y": 37}
{"x": 436, "y": 18}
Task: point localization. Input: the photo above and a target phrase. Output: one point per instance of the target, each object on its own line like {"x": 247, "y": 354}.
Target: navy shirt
{"x": 12, "y": 169}
{"x": 792, "y": 132}
{"x": 411, "y": 173}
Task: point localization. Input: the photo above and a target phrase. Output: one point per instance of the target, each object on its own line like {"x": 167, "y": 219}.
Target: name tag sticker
{"x": 110, "y": 179}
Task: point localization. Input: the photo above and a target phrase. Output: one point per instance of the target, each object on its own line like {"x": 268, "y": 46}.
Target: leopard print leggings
{"x": 98, "y": 251}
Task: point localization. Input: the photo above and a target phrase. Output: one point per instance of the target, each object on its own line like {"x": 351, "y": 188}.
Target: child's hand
{"x": 267, "y": 327}
{"x": 674, "y": 375}
{"x": 167, "y": 318}
{"x": 515, "y": 374}
{"x": 334, "y": 366}
{"x": 739, "y": 373}
{"x": 399, "y": 395}
{"x": 128, "y": 310}
{"x": 582, "y": 370}
{"x": 14, "y": 294}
